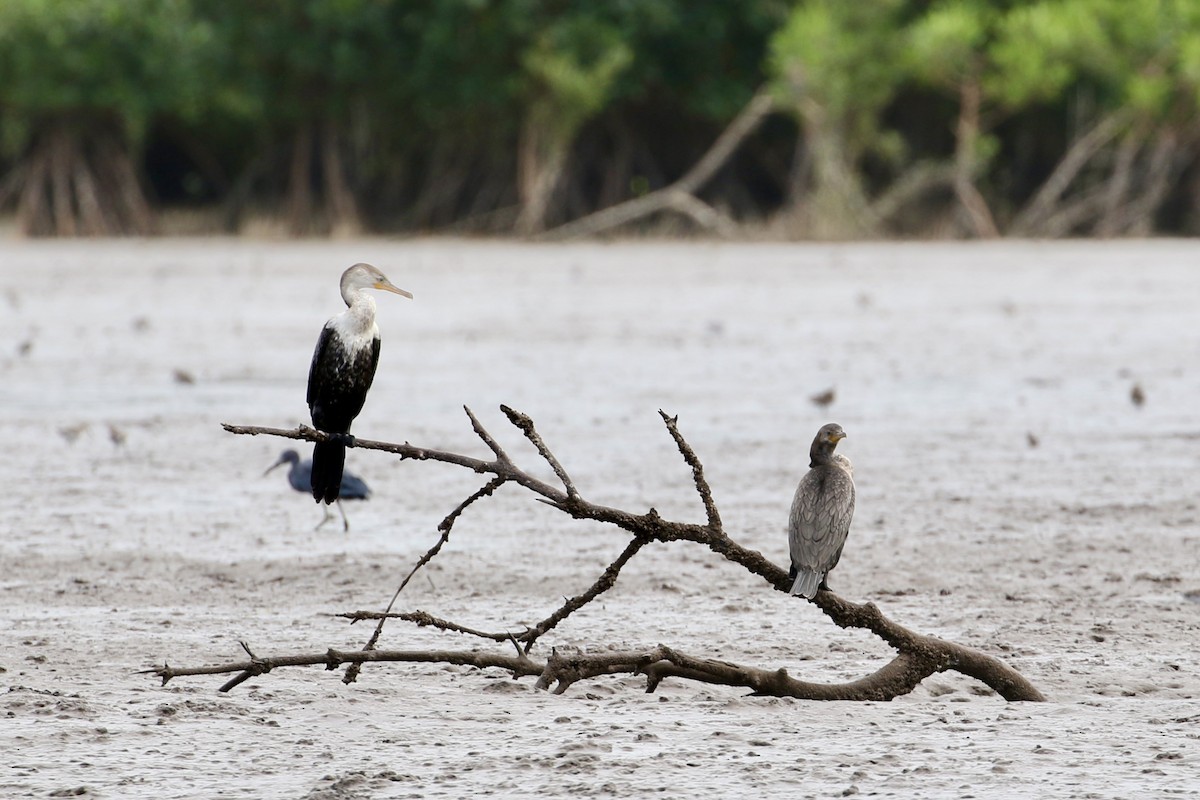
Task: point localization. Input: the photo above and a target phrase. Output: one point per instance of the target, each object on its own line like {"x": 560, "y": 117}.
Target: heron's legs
{"x": 345, "y": 522}
{"x": 327, "y": 517}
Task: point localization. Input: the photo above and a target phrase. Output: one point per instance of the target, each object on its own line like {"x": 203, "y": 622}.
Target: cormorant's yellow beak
{"x": 388, "y": 286}
{"x": 837, "y": 437}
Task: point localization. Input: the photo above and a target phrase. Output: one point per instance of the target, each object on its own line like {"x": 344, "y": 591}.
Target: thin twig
{"x": 606, "y": 581}
{"x": 446, "y": 525}
{"x": 523, "y": 422}
{"x": 487, "y": 438}
{"x": 570, "y": 605}
{"x": 423, "y": 619}
{"x": 693, "y": 461}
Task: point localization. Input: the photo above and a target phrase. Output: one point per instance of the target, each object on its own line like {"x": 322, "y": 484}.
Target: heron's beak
{"x": 388, "y": 286}
{"x": 276, "y": 464}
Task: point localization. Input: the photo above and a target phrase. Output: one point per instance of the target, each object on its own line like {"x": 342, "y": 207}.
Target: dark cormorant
{"x": 343, "y": 367}
{"x": 821, "y": 513}
{"x": 300, "y": 478}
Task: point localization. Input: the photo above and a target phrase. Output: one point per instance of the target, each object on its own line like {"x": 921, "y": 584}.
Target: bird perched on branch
{"x": 300, "y": 478}
{"x": 821, "y": 513}
{"x": 343, "y": 367}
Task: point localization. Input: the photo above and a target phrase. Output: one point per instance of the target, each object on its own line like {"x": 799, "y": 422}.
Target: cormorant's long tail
{"x": 329, "y": 459}
{"x": 806, "y": 583}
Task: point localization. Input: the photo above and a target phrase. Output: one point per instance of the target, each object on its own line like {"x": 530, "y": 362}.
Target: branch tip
{"x": 525, "y": 425}
{"x": 693, "y": 461}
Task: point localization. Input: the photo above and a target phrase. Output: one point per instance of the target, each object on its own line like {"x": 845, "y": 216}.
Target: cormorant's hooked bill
{"x": 343, "y": 367}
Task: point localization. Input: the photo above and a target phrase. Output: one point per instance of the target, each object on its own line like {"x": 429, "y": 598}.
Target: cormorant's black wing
{"x": 375, "y": 347}
{"x": 320, "y": 362}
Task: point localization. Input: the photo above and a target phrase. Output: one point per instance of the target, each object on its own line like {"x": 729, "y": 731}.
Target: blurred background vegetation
{"x": 869, "y": 118}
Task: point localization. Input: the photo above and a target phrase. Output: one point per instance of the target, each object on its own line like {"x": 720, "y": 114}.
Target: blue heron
{"x": 300, "y": 478}
{"x": 343, "y": 367}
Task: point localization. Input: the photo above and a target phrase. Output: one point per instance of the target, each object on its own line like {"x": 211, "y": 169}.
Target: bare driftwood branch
{"x": 562, "y": 669}
{"x": 523, "y": 422}
{"x": 918, "y": 655}
{"x": 679, "y": 196}
{"x": 524, "y": 640}
{"x": 702, "y": 487}
{"x": 444, "y": 529}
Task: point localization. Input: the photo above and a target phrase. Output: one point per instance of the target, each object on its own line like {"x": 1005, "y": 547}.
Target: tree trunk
{"x": 137, "y": 217}
{"x": 966, "y": 161}
{"x": 1118, "y": 185}
{"x": 300, "y": 179}
{"x": 95, "y": 220}
{"x": 838, "y": 208}
{"x": 344, "y": 219}
{"x": 834, "y": 204}
{"x": 792, "y": 219}
{"x": 1160, "y": 176}
{"x": 541, "y": 160}
{"x": 72, "y": 183}
{"x": 33, "y": 212}
{"x": 61, "y": 155}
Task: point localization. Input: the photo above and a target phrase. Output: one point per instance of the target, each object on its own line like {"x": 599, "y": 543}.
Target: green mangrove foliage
{"x": 890, "y": 117}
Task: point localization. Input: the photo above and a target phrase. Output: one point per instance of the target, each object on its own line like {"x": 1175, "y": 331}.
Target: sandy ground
{"x": 1076, "y": 560}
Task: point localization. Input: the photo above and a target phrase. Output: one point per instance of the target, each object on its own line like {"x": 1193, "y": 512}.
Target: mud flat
{"x": 1011, "y": 496}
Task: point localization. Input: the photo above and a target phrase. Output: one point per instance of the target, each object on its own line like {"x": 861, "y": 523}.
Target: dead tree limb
{"x": 444, "y": 529}
{"x": 562, "y": 669}
{"x": 524, "y": 640}
{"x": 331, "y": 659}
{"x": 679, "y": 196}
{"x": 918, "y": 656}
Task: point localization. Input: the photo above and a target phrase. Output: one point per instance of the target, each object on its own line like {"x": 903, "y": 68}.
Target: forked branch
{"x": 918, "y": 656}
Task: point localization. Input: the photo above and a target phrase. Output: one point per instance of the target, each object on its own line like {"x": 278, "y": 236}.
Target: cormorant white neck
{"x": 356, "y": 325}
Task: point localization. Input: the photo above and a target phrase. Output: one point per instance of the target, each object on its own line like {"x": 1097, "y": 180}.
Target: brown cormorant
{"x": 821, "y": 513}
{"x": 343, "y": 368}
